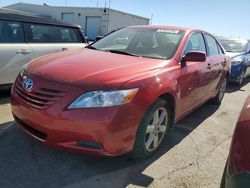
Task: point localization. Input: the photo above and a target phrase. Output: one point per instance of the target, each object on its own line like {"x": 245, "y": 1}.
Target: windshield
{"x": 151, "y": 43}
{"x": 233, "y": 45}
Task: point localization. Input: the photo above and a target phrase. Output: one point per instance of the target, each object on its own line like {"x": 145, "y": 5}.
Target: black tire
{"x": 140, "y": 150}
{"x": 223, "y": 178}
{"x": 221, "y": 92}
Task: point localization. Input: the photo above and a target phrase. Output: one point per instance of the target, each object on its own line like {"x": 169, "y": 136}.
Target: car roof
{"x": 34, "y": 19}
{"x": 166, "y": 27}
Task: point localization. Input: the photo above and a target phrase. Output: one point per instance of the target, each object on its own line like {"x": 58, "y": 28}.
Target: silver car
{"x": 23, "y": 38}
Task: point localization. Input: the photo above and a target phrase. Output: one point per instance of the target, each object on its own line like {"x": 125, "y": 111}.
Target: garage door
{"x": 68, "y": 17}
{"x": 93, "y": 27}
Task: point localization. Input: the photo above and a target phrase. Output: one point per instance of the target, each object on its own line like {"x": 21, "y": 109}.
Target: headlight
{"x": 96, "y": 99}
{"x": 235, "y": 62}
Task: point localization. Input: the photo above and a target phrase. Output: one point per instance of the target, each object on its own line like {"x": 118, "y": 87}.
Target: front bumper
{"x": 236, "y": 71}
{"x": 101, "y": 131}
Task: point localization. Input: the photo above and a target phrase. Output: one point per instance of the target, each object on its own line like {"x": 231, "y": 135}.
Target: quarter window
{"x": 11, "y": 32}
{"x": 41, "y": 33}
{"x": 212, "y": 45}
{"x": 195, "y": 43}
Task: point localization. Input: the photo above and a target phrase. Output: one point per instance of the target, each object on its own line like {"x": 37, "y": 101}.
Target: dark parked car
{"x": 237, "y": 170}
{"x": 239, "y": 52}
{"x": 122, "y": 93}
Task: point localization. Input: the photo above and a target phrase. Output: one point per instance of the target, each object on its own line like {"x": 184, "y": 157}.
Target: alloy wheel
{"x": 156, "y": 129}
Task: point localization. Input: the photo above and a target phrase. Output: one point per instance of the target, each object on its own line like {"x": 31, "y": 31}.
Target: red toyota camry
{"x": 122, "y": 93}
{"x": 237, "y": 170}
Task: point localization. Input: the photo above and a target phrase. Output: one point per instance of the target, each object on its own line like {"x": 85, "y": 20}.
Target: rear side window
{"x": 195, "y": 43}
{"x": 11, "y": 32}
{"x": 41, "y": 33}
{"x": 220, "y": 50}
{"x": 212, "y": 45}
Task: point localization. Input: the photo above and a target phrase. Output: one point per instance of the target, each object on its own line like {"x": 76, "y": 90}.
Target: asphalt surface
{"x": 193, "y": 156}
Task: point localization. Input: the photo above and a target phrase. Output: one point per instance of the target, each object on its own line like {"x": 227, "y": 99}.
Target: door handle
{"x": 23, "y": 52}
{"x": 224, "y": 63}
{"x": 209, "y": 66}
{"x": 64, "y": 49}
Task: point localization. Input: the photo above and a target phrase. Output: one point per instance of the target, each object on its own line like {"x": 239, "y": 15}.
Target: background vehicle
{"x": 23, "y": 38}
{"x": 122, "y": 93}
{"x": 239, "y": 52}
{"x": 237, "y": 170}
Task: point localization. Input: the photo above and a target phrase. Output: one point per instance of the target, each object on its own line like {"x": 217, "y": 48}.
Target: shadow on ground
{"x": 4, "y": 95}
{"x": 234, "y": 87}
{"x": 27, "y": 163}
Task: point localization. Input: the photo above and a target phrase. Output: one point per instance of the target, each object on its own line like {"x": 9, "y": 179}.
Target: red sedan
{"x": 122, "y": 93}
{"x": 237, "y": 170}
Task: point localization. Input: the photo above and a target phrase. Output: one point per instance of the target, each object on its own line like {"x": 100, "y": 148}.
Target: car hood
{"x": 91, "y": 68}
{"x": 234, "y": 55}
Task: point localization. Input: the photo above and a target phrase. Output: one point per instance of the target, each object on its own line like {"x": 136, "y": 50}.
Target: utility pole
{"x": 108, "y": 16}
{"x": 151, "y": 19}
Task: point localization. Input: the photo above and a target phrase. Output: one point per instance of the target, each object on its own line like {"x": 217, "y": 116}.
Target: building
{"x": 94, "y": 21}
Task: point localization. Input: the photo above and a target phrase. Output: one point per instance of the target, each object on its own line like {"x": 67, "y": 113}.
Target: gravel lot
{"x": 194, "y": 154}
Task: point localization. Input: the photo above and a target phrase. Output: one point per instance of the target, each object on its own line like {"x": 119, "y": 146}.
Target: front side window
{"x": 212, "y": 45}
{"x": 195, "y": 43}
{"x": 11, "y": 32}
{"x": 151, "y": 43}
{"x": 41, "y": 33}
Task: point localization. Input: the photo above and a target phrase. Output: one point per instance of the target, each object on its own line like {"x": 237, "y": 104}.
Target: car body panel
{"x": 13, "y": 58}
{"x": 237, "y": 172}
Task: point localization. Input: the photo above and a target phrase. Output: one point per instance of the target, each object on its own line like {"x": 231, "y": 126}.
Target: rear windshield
{"x": 151, "y": 43}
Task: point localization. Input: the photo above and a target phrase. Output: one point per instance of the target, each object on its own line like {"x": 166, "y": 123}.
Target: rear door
{"x": 217, "y": 62}
{"x": 14, "y": 51}
{"x": 47, "y": 39}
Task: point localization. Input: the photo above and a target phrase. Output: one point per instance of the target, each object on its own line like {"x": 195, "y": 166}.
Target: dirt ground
{"x": 194, "y": 154}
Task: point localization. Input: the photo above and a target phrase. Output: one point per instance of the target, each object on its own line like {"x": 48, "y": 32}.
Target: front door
{"x": 194, "y": 77}
{"x": 13, "y": 50}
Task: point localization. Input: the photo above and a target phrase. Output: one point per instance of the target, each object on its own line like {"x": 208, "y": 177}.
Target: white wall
{"x": 119, "y": 19}
{"x": 116, "y": 19}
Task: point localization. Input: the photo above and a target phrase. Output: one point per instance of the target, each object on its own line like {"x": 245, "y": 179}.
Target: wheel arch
{"x": 171, "y": 100}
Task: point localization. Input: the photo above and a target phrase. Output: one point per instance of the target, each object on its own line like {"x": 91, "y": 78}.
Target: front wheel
{"x": 152, "y": 130}
{"x": 241, "y": 79}
{"x": 218, "y": 98}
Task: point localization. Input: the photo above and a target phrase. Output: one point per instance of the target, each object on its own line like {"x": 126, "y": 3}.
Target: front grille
{"x": 32, "y": 130}
{"x": 40, "y": 98}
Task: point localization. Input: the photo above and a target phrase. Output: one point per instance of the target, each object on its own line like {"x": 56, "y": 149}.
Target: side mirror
{"x": 98, "y": 38}
{"x": 196, "y": 56}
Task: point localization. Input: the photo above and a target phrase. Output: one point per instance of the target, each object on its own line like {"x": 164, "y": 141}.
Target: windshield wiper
{"x": 122, "y": 52}
{"x": 91, "y": 47}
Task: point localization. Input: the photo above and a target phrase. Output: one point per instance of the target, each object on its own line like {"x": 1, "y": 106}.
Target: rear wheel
{"x": 152, "y": 130}
{"x": 221, "y": 92}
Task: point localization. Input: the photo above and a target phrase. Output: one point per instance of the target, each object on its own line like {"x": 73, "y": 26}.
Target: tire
{"x": 147, "y": 142}
{"x": 223, "y": 178}
{"x": 218, "y": 98}
{"x": 242, "y": 76}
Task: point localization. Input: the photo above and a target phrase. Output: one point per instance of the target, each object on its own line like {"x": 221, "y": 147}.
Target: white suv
{"x": 23, "y": 38}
